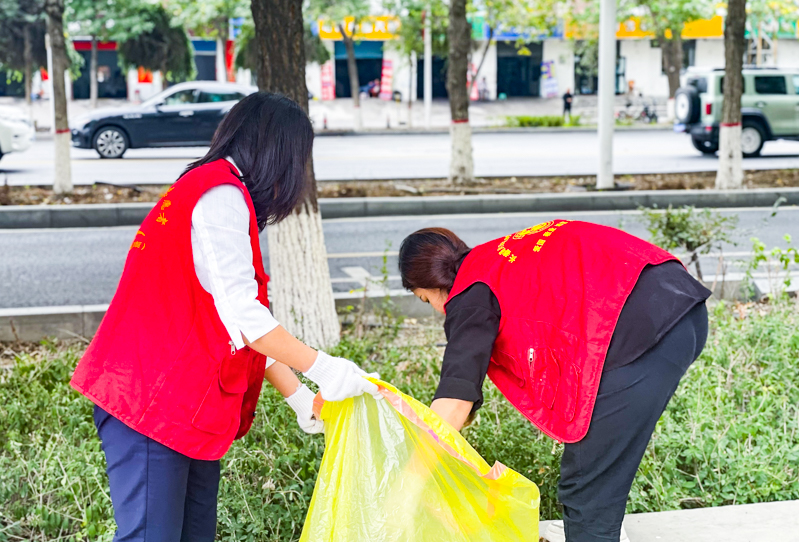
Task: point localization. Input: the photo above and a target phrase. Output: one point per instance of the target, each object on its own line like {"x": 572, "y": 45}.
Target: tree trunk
{"x": 352, "y": 69}
{"x": 28, "y": 60}
{"x": 460, "y": 41}
{"x": 302, "y": 292}
{"x": 93, "y": 74}
{"x": 672, "y": 59}
{"x": 730, "y": 173}
{"x": 62, "y": 182}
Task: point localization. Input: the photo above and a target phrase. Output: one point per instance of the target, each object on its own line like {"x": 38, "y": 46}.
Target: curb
{"x": 98, "y": 215}
{"x": 32, "y": 324}
{"x": 489, "y": 130}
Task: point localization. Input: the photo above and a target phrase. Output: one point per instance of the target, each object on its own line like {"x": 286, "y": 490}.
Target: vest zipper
{"x": 232, "y": 348}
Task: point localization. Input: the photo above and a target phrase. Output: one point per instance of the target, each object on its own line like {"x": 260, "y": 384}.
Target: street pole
{"x": 428, "y": 68}
{"x": 606, "y": 92}
{"x": 50, "y": 76}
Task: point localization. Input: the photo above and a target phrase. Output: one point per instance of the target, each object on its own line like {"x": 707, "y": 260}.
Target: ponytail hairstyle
{"x": 430, "y": 258}
{"x": 269, "y": 137}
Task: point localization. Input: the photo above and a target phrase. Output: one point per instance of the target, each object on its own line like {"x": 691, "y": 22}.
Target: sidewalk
{"x": 380, "y": 115}
{"x": 763, "y": 522}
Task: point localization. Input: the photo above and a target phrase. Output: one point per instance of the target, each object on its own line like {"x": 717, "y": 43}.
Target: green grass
{"x": 524, "y": 121}
{"x": 729, "y": 436}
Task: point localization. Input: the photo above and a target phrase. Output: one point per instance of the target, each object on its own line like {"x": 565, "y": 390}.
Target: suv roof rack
{"x": 753, "y": 67}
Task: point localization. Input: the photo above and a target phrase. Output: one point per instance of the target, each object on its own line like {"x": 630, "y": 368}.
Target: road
{"x": 83, "y": 266}
{"x": 414, "y": 156}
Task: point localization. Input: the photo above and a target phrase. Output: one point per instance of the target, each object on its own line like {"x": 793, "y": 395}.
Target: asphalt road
{"x": 414, "y": 156}
{"x": 82, "y": 266}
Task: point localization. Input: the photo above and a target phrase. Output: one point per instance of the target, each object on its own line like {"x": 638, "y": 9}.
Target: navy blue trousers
{"x": 158, "y": 494}
{"x": 596, "y": 473}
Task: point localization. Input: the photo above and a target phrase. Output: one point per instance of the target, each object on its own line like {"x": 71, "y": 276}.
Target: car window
{"x": 181, "y": 97}
{"x": 796, "y": 83}
{"x": 699, "y": 83}
{"x": 743, "y": 85}
{"x": 770, "y": 84}
{"x": 212, "y": 97}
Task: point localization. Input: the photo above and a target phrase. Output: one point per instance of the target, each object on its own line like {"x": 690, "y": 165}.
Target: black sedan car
{"x": 184, "y": 115}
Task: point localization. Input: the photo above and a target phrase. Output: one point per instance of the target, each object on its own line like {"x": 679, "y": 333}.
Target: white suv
{"x": 16, "y": 130}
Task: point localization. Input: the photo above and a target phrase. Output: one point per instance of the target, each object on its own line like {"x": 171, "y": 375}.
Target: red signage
{"x": 386, "y": 80}
{"x": 328, "y": 82}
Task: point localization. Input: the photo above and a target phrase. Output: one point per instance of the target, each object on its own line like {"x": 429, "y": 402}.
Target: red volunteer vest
{"x": 162, "y": 362}
{"x": 561, "y": 286}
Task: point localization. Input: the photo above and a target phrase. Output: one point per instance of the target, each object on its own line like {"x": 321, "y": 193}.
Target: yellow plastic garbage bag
{"x": 394, "y": 471}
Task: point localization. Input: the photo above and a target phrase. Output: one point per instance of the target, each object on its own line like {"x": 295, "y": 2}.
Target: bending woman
{"x": 176, "y": 367}
{"x": 585, "y": 329}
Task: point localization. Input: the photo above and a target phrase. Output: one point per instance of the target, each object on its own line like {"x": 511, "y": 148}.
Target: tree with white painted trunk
{"x": 346, "y": 16}
{"x": 301, "y": 291}
{"x": 461, "y": 165}
{"x": 62, "y": 180}
{"x": 730, "y": 172}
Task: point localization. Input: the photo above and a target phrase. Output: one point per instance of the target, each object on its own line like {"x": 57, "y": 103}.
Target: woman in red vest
{"x": 176, "y": 366}
{"x": 585, "y": 329}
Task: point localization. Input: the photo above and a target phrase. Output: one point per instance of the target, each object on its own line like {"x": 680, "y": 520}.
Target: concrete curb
{"x": 76, "y": 321}
{"x": 490, "y": 130}
{"x": 99, "y": 215}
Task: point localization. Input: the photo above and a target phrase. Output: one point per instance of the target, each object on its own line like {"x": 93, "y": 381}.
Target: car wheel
{"x": 752, "y": 139}
{"x": 110, "y": 142}
{"x": 705, "y": 147}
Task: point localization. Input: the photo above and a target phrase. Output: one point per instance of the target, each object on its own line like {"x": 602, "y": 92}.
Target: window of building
{"x": 796, "y": 83}
{"x": 770, "y": 84}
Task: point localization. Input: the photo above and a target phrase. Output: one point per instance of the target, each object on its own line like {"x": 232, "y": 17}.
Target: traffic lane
{"x": 82, "y": 266}
{"x": 414, "y": 156}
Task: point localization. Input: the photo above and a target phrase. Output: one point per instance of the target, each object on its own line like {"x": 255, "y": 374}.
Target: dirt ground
{"x": 104, "y": 193}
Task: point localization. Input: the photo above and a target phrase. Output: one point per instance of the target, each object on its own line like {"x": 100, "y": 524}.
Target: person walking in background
{"x": 482, "y": 89}
{"x": 176, "y": 366}
{"x": 567, "y": 105}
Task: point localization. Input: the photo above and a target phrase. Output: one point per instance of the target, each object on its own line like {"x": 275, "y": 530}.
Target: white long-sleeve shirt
{"x": 220, "y": 242}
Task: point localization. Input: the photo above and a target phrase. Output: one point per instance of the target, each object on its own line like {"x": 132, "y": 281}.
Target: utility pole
{"x": 428, "y": 67}
{"x": 606, "y": 92}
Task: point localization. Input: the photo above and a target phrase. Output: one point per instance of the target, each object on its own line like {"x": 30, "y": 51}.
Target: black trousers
{"x": 596, "y": 473}
{"x": 158, "y": 494}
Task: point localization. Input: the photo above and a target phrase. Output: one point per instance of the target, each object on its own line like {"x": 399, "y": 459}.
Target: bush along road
{"x": 729, "y": 436}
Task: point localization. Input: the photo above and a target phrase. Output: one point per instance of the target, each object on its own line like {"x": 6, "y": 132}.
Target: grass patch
{"x": 729, "y": 435}
{"x": 546, "y": 121}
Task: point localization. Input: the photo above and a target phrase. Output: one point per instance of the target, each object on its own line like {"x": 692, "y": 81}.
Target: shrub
{"x": 523, "y": 121}
{"x": 729, "y": 436}
{"x": 697, "y": 231}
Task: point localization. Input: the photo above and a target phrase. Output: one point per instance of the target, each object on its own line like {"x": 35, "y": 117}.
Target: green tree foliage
{"x": 165, "y": 48}
{"x": 410, "y": 36}
{"x": 208, "y": 18}
{"x": 109, "y": 20}
{"x": 666, "y": 20}
{"x": 22, "y": 30}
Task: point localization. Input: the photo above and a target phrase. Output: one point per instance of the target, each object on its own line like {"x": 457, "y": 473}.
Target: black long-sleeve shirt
{"x": 662, "y": 295}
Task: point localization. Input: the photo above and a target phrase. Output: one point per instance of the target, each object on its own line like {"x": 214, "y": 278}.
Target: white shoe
{"x": 556, "y": 533}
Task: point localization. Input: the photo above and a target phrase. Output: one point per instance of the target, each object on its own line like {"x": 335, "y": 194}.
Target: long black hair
{"x": 270, "y": 138}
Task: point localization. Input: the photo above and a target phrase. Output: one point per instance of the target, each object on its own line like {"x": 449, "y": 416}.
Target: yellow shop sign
{"x": 371, "y": 28}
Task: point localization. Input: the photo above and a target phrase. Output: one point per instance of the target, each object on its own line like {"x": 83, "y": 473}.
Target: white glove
{"x": 301, "y": 401}
{"x": 340, "y": 379}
